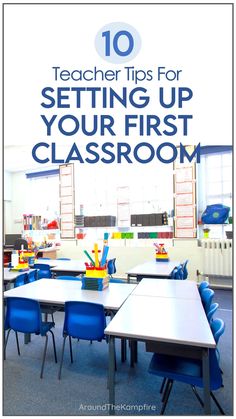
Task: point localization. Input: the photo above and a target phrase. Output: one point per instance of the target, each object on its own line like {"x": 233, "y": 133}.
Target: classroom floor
{"x": 83, "y": 387}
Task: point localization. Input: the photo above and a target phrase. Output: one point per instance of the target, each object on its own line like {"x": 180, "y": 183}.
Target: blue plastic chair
{"x": 63, "y": 259}
{"x": 116, "y": 281}
{"x": 184, "y": 268}
{"x": 32, "y": 276}
{"x": 212, "y": 310}
{"x": 207, "y": 297}
{"x": 7, "y": 327}
{"x": 189, "y": 371}
{"x": 111, "y": 266}
{"x": 44, "y": 270}
{"x": 202, "y": 286}
{"x": 82, "y": 321}
{"x": 70, "y": 278}
{"x": 111, "y": 269}
{"x": 177, "y": 273}
{"x": 24, "y": 315}
{"x": 21, "y": 280}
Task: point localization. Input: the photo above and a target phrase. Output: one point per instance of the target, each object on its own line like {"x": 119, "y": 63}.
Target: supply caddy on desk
{"x": 96, "y": 277}
{"x": 23, "y": 260}
{"x": 161, "y": 253}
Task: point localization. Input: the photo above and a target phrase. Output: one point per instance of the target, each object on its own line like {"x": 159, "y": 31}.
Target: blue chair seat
{"x": 32, "y": 276}
{"x": 184, "y": 268}
{"x": 21, "y": 280}
{"x": 111, "y": 269}
{"x": 202, "y": 286}
{"x": 177, "y": 273}
{"x": 212, "y": 309}
{"x": 24, "y": 315}
{"x": 186, "y": 370}
{"x": 207, "y": 296}
{"x": 84, "y": 321}
{"x": 44, "y": 270}
{"x": 45, "y": 327}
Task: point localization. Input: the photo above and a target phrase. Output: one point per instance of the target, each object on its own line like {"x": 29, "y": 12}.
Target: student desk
{"x": 152, "y": 269}
{"x": 50, "y": 262}
{"x": 56, "y": 292}
{"x": 170, "y": 288}
{"x": 167, "y": 325}
{"x": 72, "y": 267}
{"x": 65, "y": 267}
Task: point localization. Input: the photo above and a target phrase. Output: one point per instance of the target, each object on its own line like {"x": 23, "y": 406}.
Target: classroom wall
{"x": 127, "y": 252}
{"x": 7, "y": 202}
{"x": 137, "y": 252}
{"x": 19, "y": 201}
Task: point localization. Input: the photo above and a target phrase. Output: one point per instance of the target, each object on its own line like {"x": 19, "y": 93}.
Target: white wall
{"x": 7, "y": 202}
{"x": 128, "y": 253}
{"x": 19, "y": 201}
{"x": 7, "y": 186}
{"x": 136, "y": 252}
{"x": 25, "y": 200}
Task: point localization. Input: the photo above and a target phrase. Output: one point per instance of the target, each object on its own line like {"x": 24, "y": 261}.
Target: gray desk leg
{"x": 206, "y": 381}
{"x": 123, "y": 350}
{"x": 27, "y": 338}
{"x": 111, "y": 376}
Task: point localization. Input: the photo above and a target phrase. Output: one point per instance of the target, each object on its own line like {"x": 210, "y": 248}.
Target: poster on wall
{"x": 128, "y": 94}
{"x": 185, "y": 198}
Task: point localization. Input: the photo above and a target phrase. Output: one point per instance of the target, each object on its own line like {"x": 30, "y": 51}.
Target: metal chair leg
{"x": 44, "y": 355}
{"x": 165, "y": 389}
{"x": 62, "y": 355}
{"x": 17, "y": 343}
{"x": 167, "y": 394}
{"x": 213, "y": 397}
{"x": 71, "y": 354}
{"x": 217, "y": 403}
{"x": 197, "y": 396}
{"x": 163, "y": 384}
{"x": 54, "y": 346}
{"x": 8, "y": 332}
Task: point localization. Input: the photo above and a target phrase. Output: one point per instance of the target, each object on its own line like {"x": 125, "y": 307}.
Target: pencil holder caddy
{"x": 93, "y": 272}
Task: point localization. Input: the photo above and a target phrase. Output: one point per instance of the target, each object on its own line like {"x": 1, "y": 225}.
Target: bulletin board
{"x": 185, "y": 198}
{"x": 67, "y": 201}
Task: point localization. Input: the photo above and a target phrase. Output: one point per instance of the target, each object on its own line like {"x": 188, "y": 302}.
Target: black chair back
{"x": 19, "y": 242}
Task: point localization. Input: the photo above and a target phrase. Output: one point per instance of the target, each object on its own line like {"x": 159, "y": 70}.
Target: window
{"x": 215, "y": 180}
{"x": 43, "y": 197}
